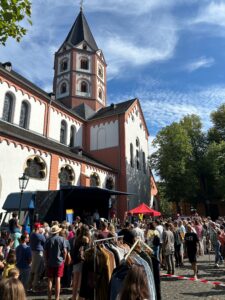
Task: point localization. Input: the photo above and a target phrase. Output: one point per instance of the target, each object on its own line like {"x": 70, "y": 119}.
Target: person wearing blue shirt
{"x": 23, "y": 259}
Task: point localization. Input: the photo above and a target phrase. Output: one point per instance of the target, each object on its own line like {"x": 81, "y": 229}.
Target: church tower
{"x": 80, "y": 69}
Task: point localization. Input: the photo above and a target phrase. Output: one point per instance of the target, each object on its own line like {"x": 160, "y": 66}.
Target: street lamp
{"x": 23, "y": 181}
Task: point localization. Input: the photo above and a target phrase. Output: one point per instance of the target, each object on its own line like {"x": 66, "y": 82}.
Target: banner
{"x": 69, "y": 215}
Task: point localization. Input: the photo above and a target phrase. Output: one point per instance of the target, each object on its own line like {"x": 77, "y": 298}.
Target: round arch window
{"x": 66, "y": 175}
{"x": 35, "y": 167}
{"x": 94, "y": 179}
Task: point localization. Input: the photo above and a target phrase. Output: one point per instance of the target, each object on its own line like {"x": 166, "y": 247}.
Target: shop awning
{"x": 12, "y": 201}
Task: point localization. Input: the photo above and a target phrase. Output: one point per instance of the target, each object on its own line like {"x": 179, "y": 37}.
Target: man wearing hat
{"x": 55, "y": 254}
{"x": 37, "y": 241}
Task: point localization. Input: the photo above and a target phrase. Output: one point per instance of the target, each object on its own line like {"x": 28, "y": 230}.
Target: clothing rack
{"x": 95, "y": 243}
{"x": 134, "y": 245}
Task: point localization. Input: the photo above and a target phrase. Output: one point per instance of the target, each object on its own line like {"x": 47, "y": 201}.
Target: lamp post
{"x": 23, "y": 181}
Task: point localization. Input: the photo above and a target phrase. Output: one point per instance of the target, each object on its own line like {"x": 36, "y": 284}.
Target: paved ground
{"x": 187, "y": 290}
{"x": 173, "y": 288}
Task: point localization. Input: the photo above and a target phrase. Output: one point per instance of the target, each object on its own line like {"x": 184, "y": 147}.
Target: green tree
{"x": 179, "y": 158}
{"x": 217, "y": 132}
{"x": 12, "y": 12}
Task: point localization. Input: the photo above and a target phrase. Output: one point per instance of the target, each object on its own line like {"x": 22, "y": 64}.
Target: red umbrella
{"x": 145, "y": 210}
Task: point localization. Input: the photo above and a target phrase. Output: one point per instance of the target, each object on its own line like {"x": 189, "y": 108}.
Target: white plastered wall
{"x": 12, "y": 163}
{"x": 55, "y": 125}
{"x": 138, "y": 182}
{"x": 37, "y": 108}
{"x": 104, "y": 135}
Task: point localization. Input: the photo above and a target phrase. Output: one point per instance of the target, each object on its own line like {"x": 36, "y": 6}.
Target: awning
{"x": 145, "y": 210}
{"x": 12, "y": 201}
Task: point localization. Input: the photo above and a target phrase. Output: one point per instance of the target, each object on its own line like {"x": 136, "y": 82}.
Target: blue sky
{"x": 168, "y": 53}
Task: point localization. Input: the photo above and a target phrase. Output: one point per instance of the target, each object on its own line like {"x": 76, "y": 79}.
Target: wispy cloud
{"x": 202, "y": 62}
{"x": 213, "y": 13}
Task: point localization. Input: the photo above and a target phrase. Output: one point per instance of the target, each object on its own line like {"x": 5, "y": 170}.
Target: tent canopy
{"x": 12, "y": 201}
{"x": 145, "y": 210}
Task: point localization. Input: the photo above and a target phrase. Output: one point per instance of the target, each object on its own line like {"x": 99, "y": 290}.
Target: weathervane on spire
{"x": 81, "y": 4}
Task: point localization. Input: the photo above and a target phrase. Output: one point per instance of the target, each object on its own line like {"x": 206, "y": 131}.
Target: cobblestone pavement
{"x": 173, "y": 288}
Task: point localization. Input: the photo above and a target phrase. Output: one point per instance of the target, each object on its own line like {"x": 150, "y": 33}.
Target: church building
{"x": 72, "y": 136}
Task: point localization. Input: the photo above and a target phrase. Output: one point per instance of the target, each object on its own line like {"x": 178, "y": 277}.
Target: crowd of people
{"x": 63, "y": 255}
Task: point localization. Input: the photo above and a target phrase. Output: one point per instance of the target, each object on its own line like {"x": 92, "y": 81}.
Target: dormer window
{"x": 63, "y": 88}
{"x": 84, "y": 64}
{"x": 84, "y": 87}
{"x": 64, "y": 65}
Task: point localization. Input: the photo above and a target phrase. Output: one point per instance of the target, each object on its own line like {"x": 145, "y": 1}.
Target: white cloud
{"x": 202, "y": 62}
{"x": 214, "y": 13}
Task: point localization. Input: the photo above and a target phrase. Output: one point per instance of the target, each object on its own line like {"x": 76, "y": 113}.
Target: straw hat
{"x": 55, "y": 229}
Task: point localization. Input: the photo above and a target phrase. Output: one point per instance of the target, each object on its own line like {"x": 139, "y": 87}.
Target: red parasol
{"x": 145, "y": 210}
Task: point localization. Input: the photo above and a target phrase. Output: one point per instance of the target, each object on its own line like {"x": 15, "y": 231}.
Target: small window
{"x": 100, "y": 94}
{"x": 35, "y": 167}
{"x": 144, "y": 162}
{"x": 72, "y": 136}
{"x": 84, "y": 47}
{"x": 84, "y": 64}
{"x": 100, "y": 72}
{"x": 94, "y": 179}
{"x": 84, "y": 87}
{"x": 132, "y": 118}
{"x": 66, "y": 176}
{"x": 24, "y": 115}
{"x": 137, "y": 160}
{"x": 63, "y": 88}
{"x": 8, "y": 108}
{"x": 131, "y": 155}
{"x": 64, "y": 65}
{"x": 63, "y": 132}
{"x": 137, "y": 142}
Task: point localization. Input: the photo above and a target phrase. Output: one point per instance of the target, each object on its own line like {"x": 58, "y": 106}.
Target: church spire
{"x": 80, "y": 32}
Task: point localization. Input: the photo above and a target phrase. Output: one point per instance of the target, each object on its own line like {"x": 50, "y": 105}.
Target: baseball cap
{"x": 37, "y": 225}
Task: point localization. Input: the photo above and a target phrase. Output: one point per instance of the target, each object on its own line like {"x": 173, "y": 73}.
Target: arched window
{"x": 138, "y": 154}
{"x": 144, "y": 162}
{"x": 84, "y": 64}
{"x": 100, "y": 94}
{"x": 84, "y": 47}
{"x": 24, "y": 115}
{"x": 100, "y": 71}
{"x": 109, "y": 183}
{"x": 84, "y": 87}
{"x": 64, "y": 65}
{"x": 72, "y": 136}
{"x": 94, "y": 179}
{"x": 63, "y": 88}
{"x": 66, "y": 175}
{"x": 131, "y": 155}
{"x": 8, "y": 108}
{"x": 63, "y": 132}
{"x": 35, "y": 167}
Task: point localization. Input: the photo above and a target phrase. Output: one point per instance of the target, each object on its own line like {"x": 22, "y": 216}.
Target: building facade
{"x": 71, "y": 136}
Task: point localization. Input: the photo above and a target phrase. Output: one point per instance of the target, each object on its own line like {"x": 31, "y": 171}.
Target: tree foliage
{"x": 13, "y": 12}
{"x": 217, "y": 132}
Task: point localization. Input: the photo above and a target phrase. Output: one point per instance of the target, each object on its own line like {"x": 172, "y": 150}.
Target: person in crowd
{"x": 135, "y": 285}
{"x": 14, "y": 273}
{"x": 191, "y": 242}
{"x": 79, "y": 245}
{"x": 66, "y": 279}
{"x": 112, "y": 229}
{"x": 70, "y": 232}
{"x": 55, "y": 254}
{"x": 139, "y": 232}
{"x": 177, "y": 244}
{"x": 199, "y": 231}
{"x": 160, "y": 229}
{"x": 168, "y": 247}
{"x": 23, "y": 259}
{"x": 104, "y": 231}
{"x": 153, "y": 239}
{"x": 218, "y": 257}
{"x": 96, "y": 218}
{"x": 9, "y": 245}
{"x": 37, "y": 241}
{"x": 12, "y": 289}
{"x": 10, "y": 263}
{"x": 15, "y": 229}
